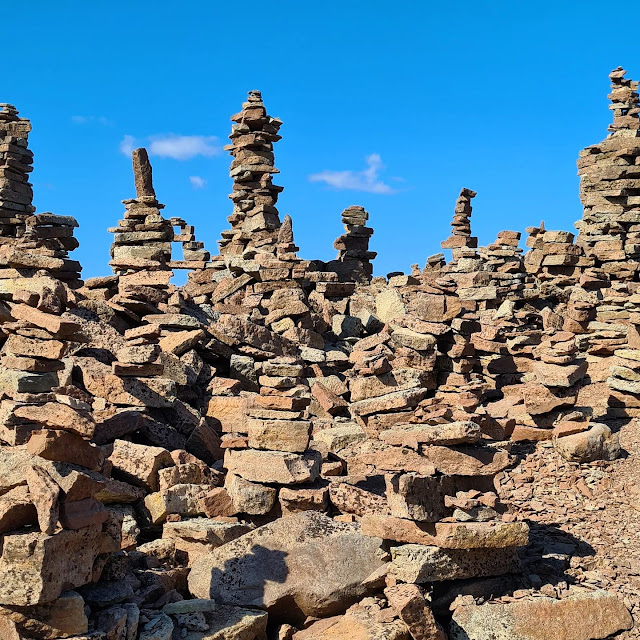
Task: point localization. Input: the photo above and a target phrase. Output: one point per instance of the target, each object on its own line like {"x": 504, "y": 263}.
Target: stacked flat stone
{"x": 353, "y": 261}
{"x": 141, "y": 252}
{"x": 466, "y": 270}
{"x": 254, "y": 221}
{"x": 269, "y": 456}
{"x": 503, "y": 259}
{"x": 554, "y": 257}
{"x": 610, "y": 187}
{"x": 625, "y": 102}
{"x": 461, "y": 223}
{"x": 33, "y": 361}
{"x": 16, "y": 159}
{"x": 51, "y": 518}
{"x": 43, "y": 247}
{"x": 439, "y": 512}
{"x": 194, "y": 254}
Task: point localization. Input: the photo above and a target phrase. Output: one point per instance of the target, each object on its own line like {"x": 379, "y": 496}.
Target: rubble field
{"x": 290, "y": 449}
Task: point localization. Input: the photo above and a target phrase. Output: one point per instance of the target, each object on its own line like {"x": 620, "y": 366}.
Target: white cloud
{"x": 184, "y": 147}
{"x": 366, "y": 180}
{"x": 105, "y": 122}
{"x": 127, "y": 145}
{"x": 197, "y": 182}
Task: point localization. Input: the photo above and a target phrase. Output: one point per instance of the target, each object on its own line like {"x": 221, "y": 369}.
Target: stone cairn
{"x": 15, "y": 165}
{"x": 141, "y": 250}
{"x": 503, "y": 260}
{"x": 353, "y": 261}
{"x": 610, "y": 187}
{"x": 254, "y": 221}
{"x": 50, "y": 518}
{"x": 194, "y": 254}
{"x": 297, "y": 448}
{"x": 140, "y": 257}
{"x": 461, "y": 224}
{"x": 554, "y": 257}
{"x": 466, "y": 271}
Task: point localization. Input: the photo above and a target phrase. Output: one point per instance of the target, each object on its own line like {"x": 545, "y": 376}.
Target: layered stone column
{"x": 16, "y": 159}
{"x": 353, "y": 263}
{"x": 255, "y": 220}
{"x": 55, "y": 533}
{"x": 610, "y": 189}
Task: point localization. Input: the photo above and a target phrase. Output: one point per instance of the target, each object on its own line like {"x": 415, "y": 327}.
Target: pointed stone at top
{"x": 617, "y": 74}
{"x": 142, "y": 174}
{"x": 285, "y": 233}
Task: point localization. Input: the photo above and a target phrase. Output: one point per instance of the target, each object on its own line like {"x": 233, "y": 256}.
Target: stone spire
{"x": 16, "y": 159}
{"x": 141, "y": 250}
{"x": 254, "y": 221}
{"x": 625, "y": 103}
{"x": 461, "y": 223}
{"x": 142, "y": 174}
{"x": 462, "y": 244}
{"x": 353, "y": 261}
{"x": 610, "y": 190}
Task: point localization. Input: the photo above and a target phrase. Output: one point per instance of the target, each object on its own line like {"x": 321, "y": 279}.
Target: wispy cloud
{"x": 101, "y": 120}
{"x": 127, "y": 145}
{"x": 366, "y": 180}
{"x": 173, "y": 146}
{"x": 197, "y": 182}
{"x": 184, "y": 147}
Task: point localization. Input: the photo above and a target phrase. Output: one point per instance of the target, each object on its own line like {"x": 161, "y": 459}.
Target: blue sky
{"x": 397, "y": 105}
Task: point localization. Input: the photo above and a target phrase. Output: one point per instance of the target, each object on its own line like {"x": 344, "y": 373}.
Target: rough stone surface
{"x": 585, "y": 616}
{"x": 303, "y": 565}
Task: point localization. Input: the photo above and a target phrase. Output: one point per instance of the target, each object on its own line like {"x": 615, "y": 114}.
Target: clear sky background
{"x": 391, "y": 105}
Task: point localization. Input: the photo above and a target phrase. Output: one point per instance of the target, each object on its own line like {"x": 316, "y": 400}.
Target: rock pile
{"x": 296, "y": 449}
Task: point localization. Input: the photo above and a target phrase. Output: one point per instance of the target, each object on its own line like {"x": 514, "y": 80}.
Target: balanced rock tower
{"x": 255, "y": 221}
{"x": 15, "y": 165}
{"x": 141, "y": 249}
{"x": 610, "y": 187}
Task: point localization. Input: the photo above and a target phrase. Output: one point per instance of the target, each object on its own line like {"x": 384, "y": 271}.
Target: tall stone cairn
{"x": 141, "y": 250}
{"x": 461, "y": 223}
{"x": 15, "y": 165}
{"x": 255, "y": 220}
{"x": 610, "y": 188}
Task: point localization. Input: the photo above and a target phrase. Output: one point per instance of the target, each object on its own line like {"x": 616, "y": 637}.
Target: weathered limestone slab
{"x": 279, "y": 435}
{"x": 139, "y": 463}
